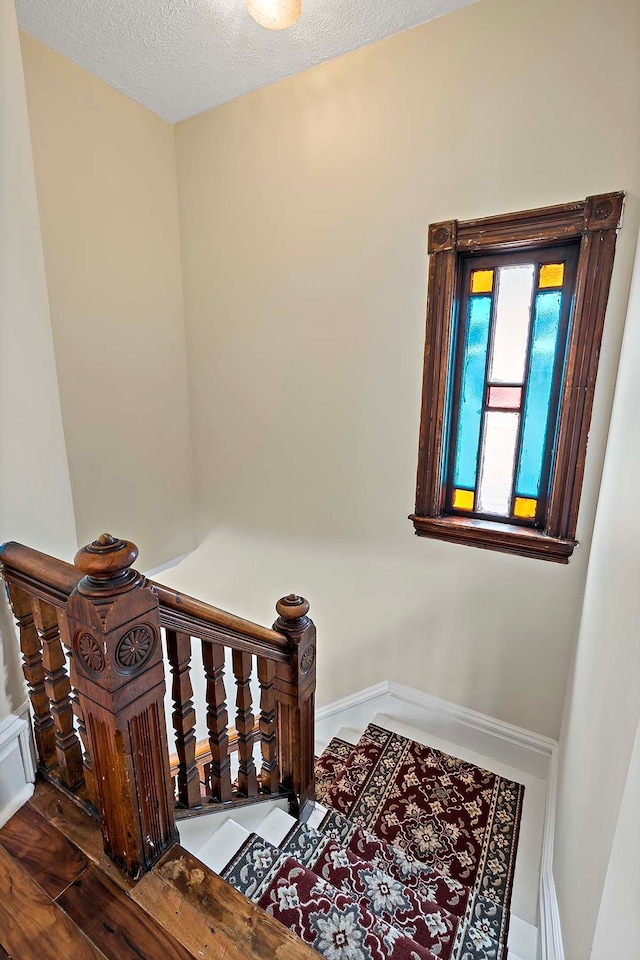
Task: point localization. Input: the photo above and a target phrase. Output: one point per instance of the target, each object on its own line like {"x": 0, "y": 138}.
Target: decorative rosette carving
{"x": 90, "y": 653}
{"x": 134, "y": 649}
{"x": 441, "y": 236}
{"x": 307, "y": 659}
{"x": 603, "y": 210}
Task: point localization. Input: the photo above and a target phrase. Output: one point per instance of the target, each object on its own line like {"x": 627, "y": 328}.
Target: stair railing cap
{"x": 292, "y": 607}
{"x": 106, "y": 564}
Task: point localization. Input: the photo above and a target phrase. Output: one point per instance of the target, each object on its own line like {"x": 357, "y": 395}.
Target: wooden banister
{"x": 54, "y": 580}
{"x": 99, "y": 720}
{"x": 183, "y": 613}
{"x": 38, "y": 574}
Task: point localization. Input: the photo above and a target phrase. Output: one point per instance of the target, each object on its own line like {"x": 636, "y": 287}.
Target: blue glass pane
{"x": 546, "y": 321}
{"x": 472, "y": 391}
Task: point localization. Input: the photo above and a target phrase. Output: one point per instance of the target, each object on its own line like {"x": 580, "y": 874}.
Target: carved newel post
{"x": 118, "y": 672}
{"x": 296, "y": 686}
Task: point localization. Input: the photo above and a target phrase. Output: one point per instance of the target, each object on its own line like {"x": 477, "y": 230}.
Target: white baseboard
{"x": 516, "y": 746}
{"x": 551, "y": 945}
{"x": 17, "y": 762}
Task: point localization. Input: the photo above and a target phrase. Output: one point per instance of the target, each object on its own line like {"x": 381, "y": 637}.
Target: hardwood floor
{"x": 61, "y": 897}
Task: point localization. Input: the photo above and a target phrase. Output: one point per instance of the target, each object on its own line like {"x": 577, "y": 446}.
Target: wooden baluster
{"x": 217, "y": 721}
{"x": 247, "y": 777}
{"x": 58, "y": 688}
{"x": 184, "y": 718}
{"x": 295, "y": 691}
{"x": 118, "y": 672}
{"x": 89, "y": 778}
{"x": 43, "y": 725}
{"x": 270, "y": 774}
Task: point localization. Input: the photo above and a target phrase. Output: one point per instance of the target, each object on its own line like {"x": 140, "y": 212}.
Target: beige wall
{"x": 603, "y": 706}
{"x": 304, "y": 210}
{"x": 105, "y": 172}
{"x": 618, "y": 928}
{"x": 35, "y": 494}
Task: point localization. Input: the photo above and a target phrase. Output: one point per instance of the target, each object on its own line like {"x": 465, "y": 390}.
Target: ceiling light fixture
{"x": 275, "y": 14}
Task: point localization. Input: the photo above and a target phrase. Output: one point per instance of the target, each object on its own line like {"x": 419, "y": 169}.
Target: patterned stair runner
{"x": 414, "y": 859}
{"x": 458, "y": 818}
{"x": 338, "y": 925}
{"x": 329, "y": 766}
{"x": 424, "y": 920}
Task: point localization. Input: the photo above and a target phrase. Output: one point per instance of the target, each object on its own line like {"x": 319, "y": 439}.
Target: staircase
{"x": 382, "y": 847}
{"x": 409, "y": 855}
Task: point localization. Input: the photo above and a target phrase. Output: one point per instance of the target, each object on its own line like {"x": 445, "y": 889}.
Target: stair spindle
{"x": 31, "y": 647}
{"x": 217, "y": 721}
{"x": 58, "y": 688}
{"x": 247, "y": 776}
{"x": 270, "y": 773}
{"x": 184, "y": 718}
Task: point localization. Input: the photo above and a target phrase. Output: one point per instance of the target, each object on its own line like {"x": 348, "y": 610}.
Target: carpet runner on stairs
{"x": 415, "y": 858}
{"x": 338, "y": 925}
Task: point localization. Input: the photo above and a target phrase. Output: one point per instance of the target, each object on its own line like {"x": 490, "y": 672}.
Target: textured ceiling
{"x": 180, "y": 57}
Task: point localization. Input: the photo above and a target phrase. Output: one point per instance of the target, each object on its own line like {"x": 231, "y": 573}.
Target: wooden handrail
{"x": 39, "y": 574}
{"x": 182, "y": 612}
{"x": 54, "y": 580}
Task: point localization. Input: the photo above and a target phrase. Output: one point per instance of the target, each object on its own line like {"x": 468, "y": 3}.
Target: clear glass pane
{"x": 513, "y": 310}
{"x": 546, "y": 323}
{"x": 497, "y": 462}
{"x": 472, "y": 391}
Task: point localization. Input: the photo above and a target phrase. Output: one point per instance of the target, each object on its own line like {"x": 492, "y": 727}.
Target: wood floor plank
{"x": 31, "y": 924}
{"x": 114, "y": 923}
{"x": 3, "y": 954}
{"x": 42, "y": 851}
{"x": 251, "y": 931}
{"x": 76, "y": 824}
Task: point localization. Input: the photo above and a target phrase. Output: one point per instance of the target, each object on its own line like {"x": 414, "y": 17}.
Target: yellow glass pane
{"x": 482, "y": 281}
{"x": 525, "y": 508}
{"x": 552, "y": 275}
{"x": 463, "y": 499}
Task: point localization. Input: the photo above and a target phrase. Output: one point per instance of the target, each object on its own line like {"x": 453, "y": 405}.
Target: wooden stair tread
{"x": 253, "y": 932}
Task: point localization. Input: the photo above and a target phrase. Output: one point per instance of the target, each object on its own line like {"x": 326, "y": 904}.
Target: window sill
{"x": 504, "y": 537}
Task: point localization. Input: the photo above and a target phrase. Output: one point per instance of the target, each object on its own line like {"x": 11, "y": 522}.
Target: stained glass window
{"x": 511, "y": 342}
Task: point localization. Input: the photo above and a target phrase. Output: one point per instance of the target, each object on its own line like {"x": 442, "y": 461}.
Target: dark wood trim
{"x": 443, "y": 282}
{"x": 490, "y": 535}
{"x": 594, "y": 222}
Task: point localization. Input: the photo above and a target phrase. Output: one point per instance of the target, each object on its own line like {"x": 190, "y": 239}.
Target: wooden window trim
{"x": 594, "y": 222}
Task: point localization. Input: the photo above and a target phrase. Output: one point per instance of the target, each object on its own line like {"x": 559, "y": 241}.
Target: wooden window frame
{"x": 594, "y": 222}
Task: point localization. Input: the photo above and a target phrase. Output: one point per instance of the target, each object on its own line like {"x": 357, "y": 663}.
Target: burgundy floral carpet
{"x": 415, "y": 858}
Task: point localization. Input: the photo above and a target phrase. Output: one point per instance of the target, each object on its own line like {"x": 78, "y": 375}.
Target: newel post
{"x": 296, "y": 686}
{"x": 118, "y": 672}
